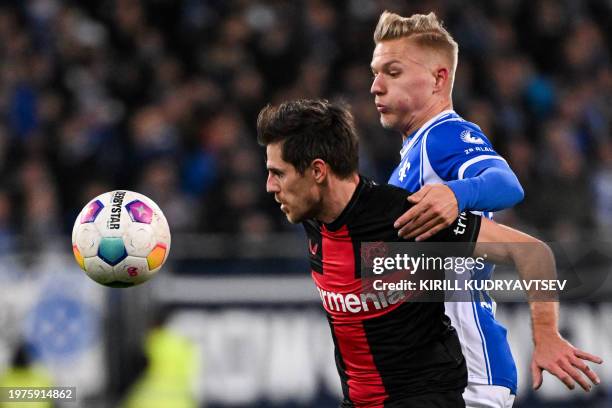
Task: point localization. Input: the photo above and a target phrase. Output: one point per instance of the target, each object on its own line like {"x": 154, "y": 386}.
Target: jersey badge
{"x": 467, "y": 137}
{"x": 402, "y": 171}
{"x": 313, "y": 248}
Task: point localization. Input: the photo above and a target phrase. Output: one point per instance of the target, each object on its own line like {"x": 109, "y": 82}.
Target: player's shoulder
{"x": 391, "y": 192}
{"x": 452, "y": 124}
{"x": 385, "y": 197}
{"x": 456, "y": 133}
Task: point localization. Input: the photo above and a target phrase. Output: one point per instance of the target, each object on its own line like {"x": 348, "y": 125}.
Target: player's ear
{"x": 319, "y": 170}
{"x": 440, "y": 77}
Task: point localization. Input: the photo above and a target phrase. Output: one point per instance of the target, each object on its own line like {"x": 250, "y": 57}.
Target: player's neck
{"x": 426, "y": 115}
{"x": 336, "y": 197}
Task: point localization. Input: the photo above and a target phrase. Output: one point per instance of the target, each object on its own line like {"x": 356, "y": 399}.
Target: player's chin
{"x": 387, "y": 122}
{"x": 293, "y": 219}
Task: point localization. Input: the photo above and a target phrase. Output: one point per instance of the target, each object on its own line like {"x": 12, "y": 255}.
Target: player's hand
{"x": 560, "y": 358}
{"x": 435, "y": 208}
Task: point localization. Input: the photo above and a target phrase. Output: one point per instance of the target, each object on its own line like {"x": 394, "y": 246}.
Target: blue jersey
{"x": 450, "y": 148}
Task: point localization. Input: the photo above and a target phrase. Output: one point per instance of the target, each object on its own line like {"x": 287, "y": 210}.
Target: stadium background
{"x": 161, "y": 97}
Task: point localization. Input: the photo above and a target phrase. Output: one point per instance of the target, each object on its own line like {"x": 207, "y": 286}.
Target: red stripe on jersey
{"x": 364, "y": 381}
{"x": 365, "y": 384}
{"x": 338, "y": 259}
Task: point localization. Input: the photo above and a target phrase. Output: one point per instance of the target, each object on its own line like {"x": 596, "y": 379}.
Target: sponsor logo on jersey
{"x": 467, "y": 137}
{"x": 461, "y": 224}
{"x": 357, "y": 303}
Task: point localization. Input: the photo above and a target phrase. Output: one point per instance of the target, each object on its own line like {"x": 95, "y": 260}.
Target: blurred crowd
{"x": 161, "y": 97}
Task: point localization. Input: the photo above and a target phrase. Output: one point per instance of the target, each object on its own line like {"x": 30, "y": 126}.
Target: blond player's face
{"x": 403, "y": 82}
{"x": 298, "y": 194}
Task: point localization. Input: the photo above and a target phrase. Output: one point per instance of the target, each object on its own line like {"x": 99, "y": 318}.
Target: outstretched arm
{"x": 534, "y": 260}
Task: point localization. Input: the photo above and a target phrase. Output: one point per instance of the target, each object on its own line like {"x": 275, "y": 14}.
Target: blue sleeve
{"x": 463, "y": 157}
{"x": 494, "y": 189}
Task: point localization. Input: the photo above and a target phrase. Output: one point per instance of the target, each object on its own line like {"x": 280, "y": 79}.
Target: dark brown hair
{"x": 311, "y": 129}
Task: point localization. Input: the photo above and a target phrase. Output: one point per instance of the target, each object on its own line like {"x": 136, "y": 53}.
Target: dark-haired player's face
{"x": 402, "y": 82}
{"x": 298, "y": 194}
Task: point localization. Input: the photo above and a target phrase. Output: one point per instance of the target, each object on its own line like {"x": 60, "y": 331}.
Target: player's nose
{"x": 271, "y": 185}
{"x": 377, "y": 87}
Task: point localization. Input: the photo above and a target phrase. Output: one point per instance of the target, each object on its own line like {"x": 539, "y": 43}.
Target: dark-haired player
{"x": 403, "y": 354}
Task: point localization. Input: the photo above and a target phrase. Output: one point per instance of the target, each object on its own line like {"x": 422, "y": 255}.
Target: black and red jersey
{"x": 386, "y": 349}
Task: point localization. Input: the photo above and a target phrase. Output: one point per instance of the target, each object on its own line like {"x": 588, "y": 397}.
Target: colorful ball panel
{"x": 91, "y": 211}
{"x": 139, "y": 212}
{"x": 111, "y": 250}
{"x": 79, "y": 258}
{"x": 157, "y": 256}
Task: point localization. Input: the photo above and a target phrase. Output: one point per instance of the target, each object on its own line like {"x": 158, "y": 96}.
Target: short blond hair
{"x": 425, "y": 30}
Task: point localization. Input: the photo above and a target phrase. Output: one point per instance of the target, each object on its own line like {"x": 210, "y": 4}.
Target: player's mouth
{"x": 382, "y": 108}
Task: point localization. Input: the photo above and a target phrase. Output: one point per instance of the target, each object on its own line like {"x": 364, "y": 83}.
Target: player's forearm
{"x": 544, "y": 319}
{"x": 535, "y": 261}
{"x": 493, "y": 189}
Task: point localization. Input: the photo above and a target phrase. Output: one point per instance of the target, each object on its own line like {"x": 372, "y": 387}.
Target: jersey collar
{"x": 345, "y": 214}
{"x": 411, "y": 140}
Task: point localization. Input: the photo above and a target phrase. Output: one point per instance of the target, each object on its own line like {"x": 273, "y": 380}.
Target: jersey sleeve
{"x": 464, "y": 230}
{"x": 459, "y": 149}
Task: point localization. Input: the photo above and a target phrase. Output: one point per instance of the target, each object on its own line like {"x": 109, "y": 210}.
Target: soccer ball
{"x": 121, "y": 238}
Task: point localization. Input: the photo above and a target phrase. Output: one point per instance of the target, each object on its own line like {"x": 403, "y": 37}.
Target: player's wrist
{"x": 544, "y": 320}
{"x": 462, "y": 192}
{"x": 543, "y": 332}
